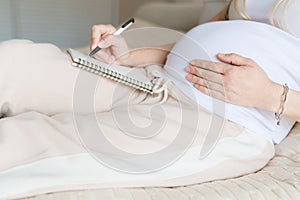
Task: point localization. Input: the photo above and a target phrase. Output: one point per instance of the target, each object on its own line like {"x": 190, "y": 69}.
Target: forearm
{"x": 151, "y": 55}
{"x": 291, "y": 105}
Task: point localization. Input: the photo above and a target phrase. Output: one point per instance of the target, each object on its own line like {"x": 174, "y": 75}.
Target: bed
{"x": 279, "y": 179}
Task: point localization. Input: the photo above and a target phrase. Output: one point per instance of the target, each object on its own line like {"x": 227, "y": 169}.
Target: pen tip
{"x": 94, "y": 51}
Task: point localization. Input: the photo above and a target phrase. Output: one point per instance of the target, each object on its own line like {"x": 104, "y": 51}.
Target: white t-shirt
{"x": 276, "y": 51}
{"x": 286, "y": 14}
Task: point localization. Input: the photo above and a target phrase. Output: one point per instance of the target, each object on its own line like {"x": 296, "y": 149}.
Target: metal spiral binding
{"x": 113, "y": 75}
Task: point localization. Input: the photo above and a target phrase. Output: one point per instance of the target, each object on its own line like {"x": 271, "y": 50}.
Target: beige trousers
{"x": 40, "y": 77}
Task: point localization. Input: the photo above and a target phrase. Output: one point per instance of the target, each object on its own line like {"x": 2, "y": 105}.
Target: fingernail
{"x": 93, "y": 46}
{"x": 187, "y": 69}
{"x": 221, "y": 54}
{"x": 188, "y": 77}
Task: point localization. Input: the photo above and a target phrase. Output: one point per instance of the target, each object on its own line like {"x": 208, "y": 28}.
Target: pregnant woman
{"x": 261, "y": 78}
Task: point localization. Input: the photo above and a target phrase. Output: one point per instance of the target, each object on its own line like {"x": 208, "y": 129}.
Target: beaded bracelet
{"x": 278, "y": 115}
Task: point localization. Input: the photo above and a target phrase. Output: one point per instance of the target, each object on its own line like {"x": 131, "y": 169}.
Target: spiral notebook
{"x": 121, "y": 74}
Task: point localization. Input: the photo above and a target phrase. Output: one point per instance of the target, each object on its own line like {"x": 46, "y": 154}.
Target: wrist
{"x": 145, "y": 56}
{"x": 273, "y": 97}
{"x": 133, "y": 58}
{"x": 126, "y": 60}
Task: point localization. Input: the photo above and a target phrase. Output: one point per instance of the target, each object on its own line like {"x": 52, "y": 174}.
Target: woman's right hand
{"x": 113, "y": 48}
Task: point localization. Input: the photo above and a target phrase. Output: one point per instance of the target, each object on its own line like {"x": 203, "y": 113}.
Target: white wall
{"x": 66, "y": 23}
{"x": 5, "y": 19}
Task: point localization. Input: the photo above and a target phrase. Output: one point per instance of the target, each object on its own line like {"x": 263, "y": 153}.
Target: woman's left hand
{"x": 238, "y": 80}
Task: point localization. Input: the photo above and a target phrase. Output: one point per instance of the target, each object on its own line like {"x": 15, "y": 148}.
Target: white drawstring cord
{"x": 164, "y": 86}
{"x": 157, "y": 84}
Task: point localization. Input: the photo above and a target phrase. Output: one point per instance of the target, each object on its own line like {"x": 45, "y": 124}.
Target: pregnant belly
{"x": 273, "y": 49}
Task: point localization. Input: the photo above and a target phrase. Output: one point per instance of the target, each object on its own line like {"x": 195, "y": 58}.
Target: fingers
{"x": 112, "y": 40}
{"x": 104, "y": 56}
{"x": 235, "y": 59}
{"x": 200, "y": 81}
{"x": 210, "y": 92}
{"x": 232, "y": 59}
{"x": 100, "y": 31}
{"x": 208, "y": 65}
{"x": 225, "y": 81}
{"x": 205, "y": 74}
{"x": 208, "y": 77}
{"x": 207, "y": 87}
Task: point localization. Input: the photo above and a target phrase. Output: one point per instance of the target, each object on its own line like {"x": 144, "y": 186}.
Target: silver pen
{"x": 117, "y": 32}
